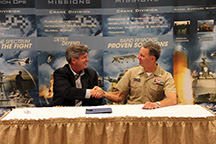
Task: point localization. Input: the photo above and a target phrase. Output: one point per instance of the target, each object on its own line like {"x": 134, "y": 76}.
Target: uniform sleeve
{"x": 124, "y": 84}
{"x": 169, "y": 85}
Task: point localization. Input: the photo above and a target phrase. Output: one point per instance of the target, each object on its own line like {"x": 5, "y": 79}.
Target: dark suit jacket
{"x": 65, "y": 91}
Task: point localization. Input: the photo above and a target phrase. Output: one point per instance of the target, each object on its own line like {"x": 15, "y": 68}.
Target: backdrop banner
{"x": 35, "y": 34}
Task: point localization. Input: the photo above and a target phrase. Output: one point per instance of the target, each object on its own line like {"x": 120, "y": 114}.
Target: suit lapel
{"x": 84, "y": 80}
{"x": 71, "y": 75}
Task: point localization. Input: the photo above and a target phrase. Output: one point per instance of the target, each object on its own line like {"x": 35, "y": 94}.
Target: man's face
{"x": 144, "y": 57}
{"x": 81, "y": 62}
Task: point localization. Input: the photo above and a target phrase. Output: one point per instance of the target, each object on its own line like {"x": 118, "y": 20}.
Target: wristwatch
{"x": 159, "y": 104}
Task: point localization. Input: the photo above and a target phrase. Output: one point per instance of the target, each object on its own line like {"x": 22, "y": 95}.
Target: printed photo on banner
{"x": 19, "y": 80}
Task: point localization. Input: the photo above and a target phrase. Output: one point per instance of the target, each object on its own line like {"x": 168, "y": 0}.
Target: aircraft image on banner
{"x": 213, "y": 54}
{"x": 118, "y": 58}
{"x": 49, "y": 58}
{"x": 21, "y": 62}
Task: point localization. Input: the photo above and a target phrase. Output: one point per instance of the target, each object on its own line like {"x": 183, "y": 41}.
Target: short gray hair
{"x": 154, "y": 49}
{"x": 75, "y": 50}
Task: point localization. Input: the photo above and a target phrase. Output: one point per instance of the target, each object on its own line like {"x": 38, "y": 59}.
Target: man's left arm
{"x": 171, "y": 99}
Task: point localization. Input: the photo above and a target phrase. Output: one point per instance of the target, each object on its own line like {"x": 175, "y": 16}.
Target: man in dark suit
{"x": 74, "y": 82}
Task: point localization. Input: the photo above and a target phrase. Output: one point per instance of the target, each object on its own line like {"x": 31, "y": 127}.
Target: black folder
{"x": 98, "y": 110}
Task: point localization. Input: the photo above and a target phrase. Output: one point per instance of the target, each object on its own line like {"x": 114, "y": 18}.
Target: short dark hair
{"x": 154, "y": 49}
{"x": 75, "y": 50}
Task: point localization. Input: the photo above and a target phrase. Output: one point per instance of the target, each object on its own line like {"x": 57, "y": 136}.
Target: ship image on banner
{"x": 204, "y": 84}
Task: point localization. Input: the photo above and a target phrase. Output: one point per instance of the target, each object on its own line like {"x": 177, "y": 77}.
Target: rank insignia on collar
{"x": 158, "y": 82}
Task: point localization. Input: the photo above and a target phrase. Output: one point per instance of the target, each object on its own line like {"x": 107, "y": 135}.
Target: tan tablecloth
{"x": 175, "y": 128}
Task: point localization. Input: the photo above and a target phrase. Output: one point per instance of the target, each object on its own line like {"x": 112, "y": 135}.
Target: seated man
{"x": 74, "y": 83}
{"x": 146, "y": 84}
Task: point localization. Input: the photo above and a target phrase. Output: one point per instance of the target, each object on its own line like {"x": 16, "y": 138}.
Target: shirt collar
{"x": 82, "y": 72}
{"x": 156, "y": 72}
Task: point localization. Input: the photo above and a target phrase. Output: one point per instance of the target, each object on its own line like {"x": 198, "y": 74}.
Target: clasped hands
{"x": 97, "y": 92}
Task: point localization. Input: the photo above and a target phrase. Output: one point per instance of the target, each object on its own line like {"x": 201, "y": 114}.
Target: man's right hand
{"x": 97, "y": 92}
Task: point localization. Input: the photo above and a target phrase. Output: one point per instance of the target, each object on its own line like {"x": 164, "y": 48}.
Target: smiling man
{"x": 147, "y": 83}
{"x": 74, "y": 82}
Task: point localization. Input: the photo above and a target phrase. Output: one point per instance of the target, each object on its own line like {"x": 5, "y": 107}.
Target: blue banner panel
{"x": 137, "y": 24}
{"x": 17, "y": 25}
{"x": 69, "y": 25}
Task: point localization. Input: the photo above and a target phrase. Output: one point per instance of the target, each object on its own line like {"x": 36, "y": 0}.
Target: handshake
{"x": 97, "y": 92}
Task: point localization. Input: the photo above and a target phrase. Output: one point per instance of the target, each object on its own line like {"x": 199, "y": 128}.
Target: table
{"x": 127, "y": 124}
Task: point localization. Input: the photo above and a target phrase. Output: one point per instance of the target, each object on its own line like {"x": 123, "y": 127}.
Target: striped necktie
{"x": 78, "y": 85}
